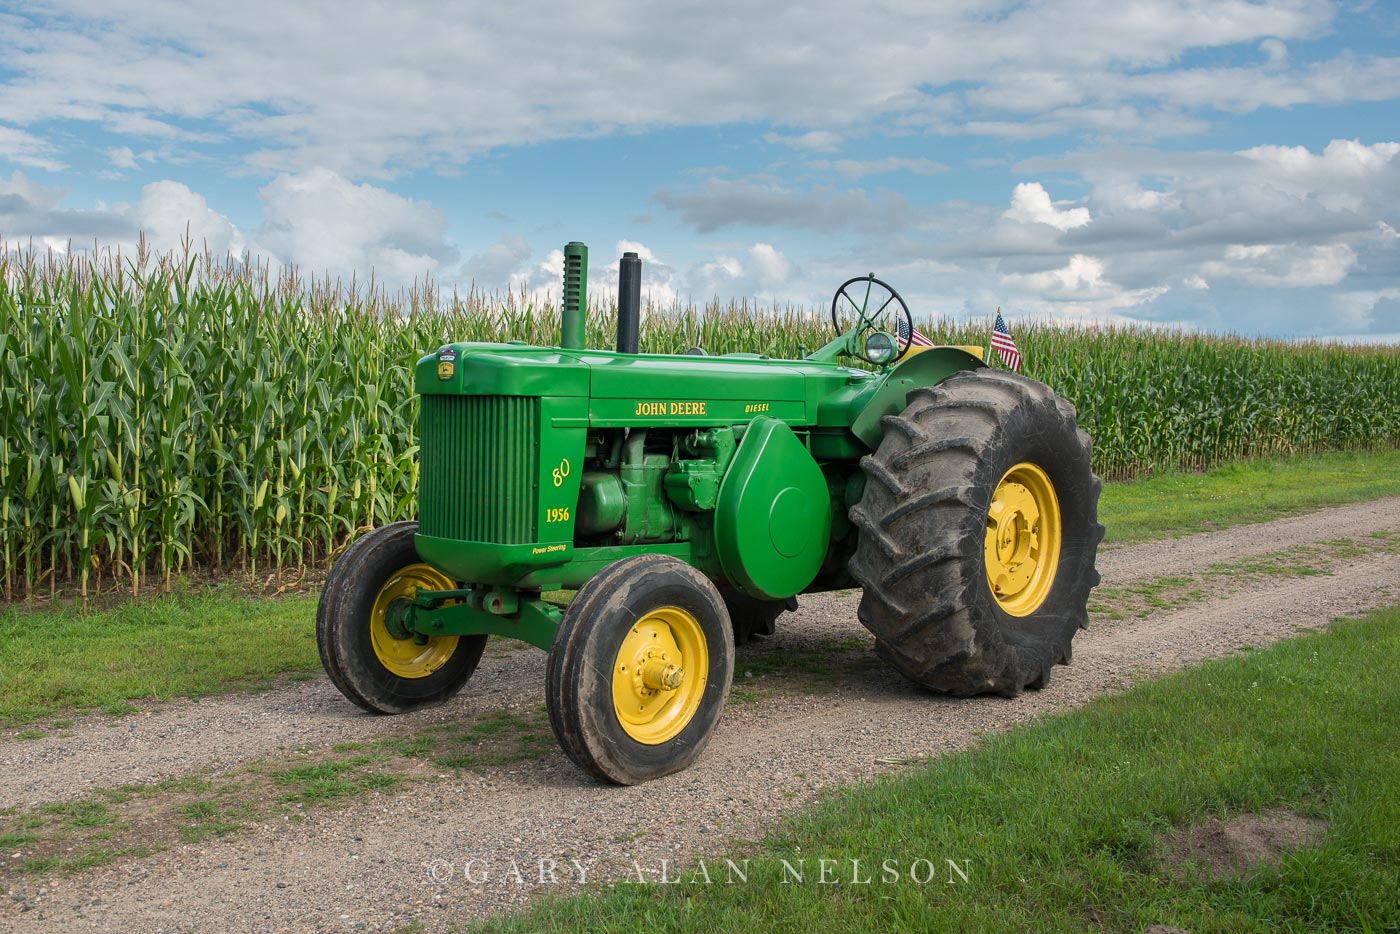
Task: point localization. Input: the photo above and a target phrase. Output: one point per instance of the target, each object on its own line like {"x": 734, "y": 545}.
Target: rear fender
{"x": 925, "y": 368}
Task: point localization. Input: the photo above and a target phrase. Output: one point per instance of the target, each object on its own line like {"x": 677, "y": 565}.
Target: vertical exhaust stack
{"x": 629, "y": 302}
{"x": 573, "y": 313}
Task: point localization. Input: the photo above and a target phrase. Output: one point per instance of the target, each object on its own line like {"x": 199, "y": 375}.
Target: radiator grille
{"x": 479, "y": 468}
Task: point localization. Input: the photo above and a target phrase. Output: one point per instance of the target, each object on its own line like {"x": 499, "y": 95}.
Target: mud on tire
{"x": 923, "y": 521}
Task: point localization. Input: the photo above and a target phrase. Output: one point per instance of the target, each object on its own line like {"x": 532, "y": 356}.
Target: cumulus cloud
{"x": 761, "y": 271}
{"x": 1278, "y": 266}
{"x": 1081, "y": 277}
{"x": 820, "y": 140}
{"x": 414, "y": 84}
{"x": 771, "y": 267}
{"x": 24, "y": 148}
{"x": 722, "y": 202}
{"x": 320, "y": 220}
{"x": 500, "y": 265}
{"x": 1255, "y": 239}
{"x": 854, "y": 168}
{"x": 169, "y": 212}
{"x": 1080, "y": 289}
{"x": 1031, "y": 204}
{"x": 317, "y": 220}
{"x": 121, "y": 157}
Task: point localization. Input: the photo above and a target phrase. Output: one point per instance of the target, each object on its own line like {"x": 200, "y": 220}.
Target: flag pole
{"x": 988, "y": 352}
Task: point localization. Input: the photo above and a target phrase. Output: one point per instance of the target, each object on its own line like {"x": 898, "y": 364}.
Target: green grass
{"x": 63, "y": 659}
{"x": 495, "y": 738}
{"x": 1062, "y": 825}
{"x": 326, "y": 781}
{"x": 1173, "y": 504}
{"x": 59, "y": 660}
{"x": 71, "y": 836}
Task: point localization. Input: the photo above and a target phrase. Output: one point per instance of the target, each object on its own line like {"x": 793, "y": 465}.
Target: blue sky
{"x": 1215, "y": 164}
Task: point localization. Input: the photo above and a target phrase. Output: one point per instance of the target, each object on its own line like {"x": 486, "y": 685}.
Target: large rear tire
{"x": 978, "y": 534}
{"x": 379, "y": 670}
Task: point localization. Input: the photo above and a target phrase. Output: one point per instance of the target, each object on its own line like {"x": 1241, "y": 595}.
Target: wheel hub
{"x": 1023, "y": 539}
{"x": 659, "y": 676}
{"x": 404, "y": 653}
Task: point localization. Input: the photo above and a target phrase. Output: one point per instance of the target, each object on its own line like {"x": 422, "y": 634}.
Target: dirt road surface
{"x": 387, "y": 860}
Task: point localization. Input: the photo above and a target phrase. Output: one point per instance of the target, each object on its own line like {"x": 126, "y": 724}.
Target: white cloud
{"x": 500, "y": 265}
{"x": 658, "y": 277}
{"x": 1079, "y": 290}
{"x": 121, "y": 157}
{"x": 168, "y": 212}
{"x": 1030, "y": 204}
{"x": 323, "y": 222}
{"x": 820, "y": 140}
{"x": 1081, "y": 277}
{"x": 24, "y": 148}
{"x": 416, "y": 84}
{"x": 1284, "y": 266}
{"x": 721, "y": 203}
{"x": 760, "y": 271}
{"x": 317, "y": 220}
{"x": 1344, "y": 176}
{"x": 852, "y": 168}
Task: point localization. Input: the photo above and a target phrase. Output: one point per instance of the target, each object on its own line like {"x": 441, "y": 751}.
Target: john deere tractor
{"x": 689, "y": 499}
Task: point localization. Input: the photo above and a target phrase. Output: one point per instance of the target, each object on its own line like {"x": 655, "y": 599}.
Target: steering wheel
{"x": 872, "y": 304}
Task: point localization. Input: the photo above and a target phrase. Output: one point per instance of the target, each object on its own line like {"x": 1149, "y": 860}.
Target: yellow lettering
{"x": 670, "y": 408}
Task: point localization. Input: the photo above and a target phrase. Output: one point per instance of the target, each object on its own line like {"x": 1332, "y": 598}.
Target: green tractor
{"x": 688, "y": 499}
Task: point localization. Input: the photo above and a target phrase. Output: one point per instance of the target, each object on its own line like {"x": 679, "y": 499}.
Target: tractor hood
{"x": 644, "y": 389}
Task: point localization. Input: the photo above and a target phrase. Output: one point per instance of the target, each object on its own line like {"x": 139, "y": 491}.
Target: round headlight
{"x": 880, "y": 347}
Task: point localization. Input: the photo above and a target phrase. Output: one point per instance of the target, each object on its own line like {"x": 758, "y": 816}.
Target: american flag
{"x": 919, "y": 339}
{"x": 1004, "y": 345}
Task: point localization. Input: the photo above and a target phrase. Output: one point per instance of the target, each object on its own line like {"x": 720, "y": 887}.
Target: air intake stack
{"x": 573, "y": 315}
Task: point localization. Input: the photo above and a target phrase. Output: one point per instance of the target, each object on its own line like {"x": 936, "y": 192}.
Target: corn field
{"x": 168, "y": 413}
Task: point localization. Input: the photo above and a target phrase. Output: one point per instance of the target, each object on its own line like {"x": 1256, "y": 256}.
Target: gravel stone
{"x": 446, "y": 852}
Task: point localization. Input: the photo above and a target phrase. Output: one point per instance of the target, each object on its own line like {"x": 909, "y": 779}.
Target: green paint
{"x": 927, "y": 368}
{"x": 541, "y": 465}
{"x": 532, "y": 621}
{"x": 774, "y": 514}
{"x": 575, "y": 299}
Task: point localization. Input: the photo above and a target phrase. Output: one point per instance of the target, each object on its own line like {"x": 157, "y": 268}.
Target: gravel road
{"x": 392, "y": 859}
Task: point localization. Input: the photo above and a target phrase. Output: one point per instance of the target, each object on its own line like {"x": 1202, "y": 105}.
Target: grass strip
{"x": 1175, "y": 503}
{"x": 62, "y": 659}
{"x": 55, "y": 660}
{"x": 110, "y": 823}
{"x": 1063, "y": 825}
{"x": 1167, "y": 593}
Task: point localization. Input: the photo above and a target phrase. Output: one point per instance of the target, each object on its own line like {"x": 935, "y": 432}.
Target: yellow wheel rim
{"x": 659, "y": 676}
{"x": 405, "y": 657}
{"x": 1023, "y": 539}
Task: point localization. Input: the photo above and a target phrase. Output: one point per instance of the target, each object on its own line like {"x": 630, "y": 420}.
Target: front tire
{"x": 640, "y": 669}
{"x": 372, "y": 665}
{"x": 978, "y": 533}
